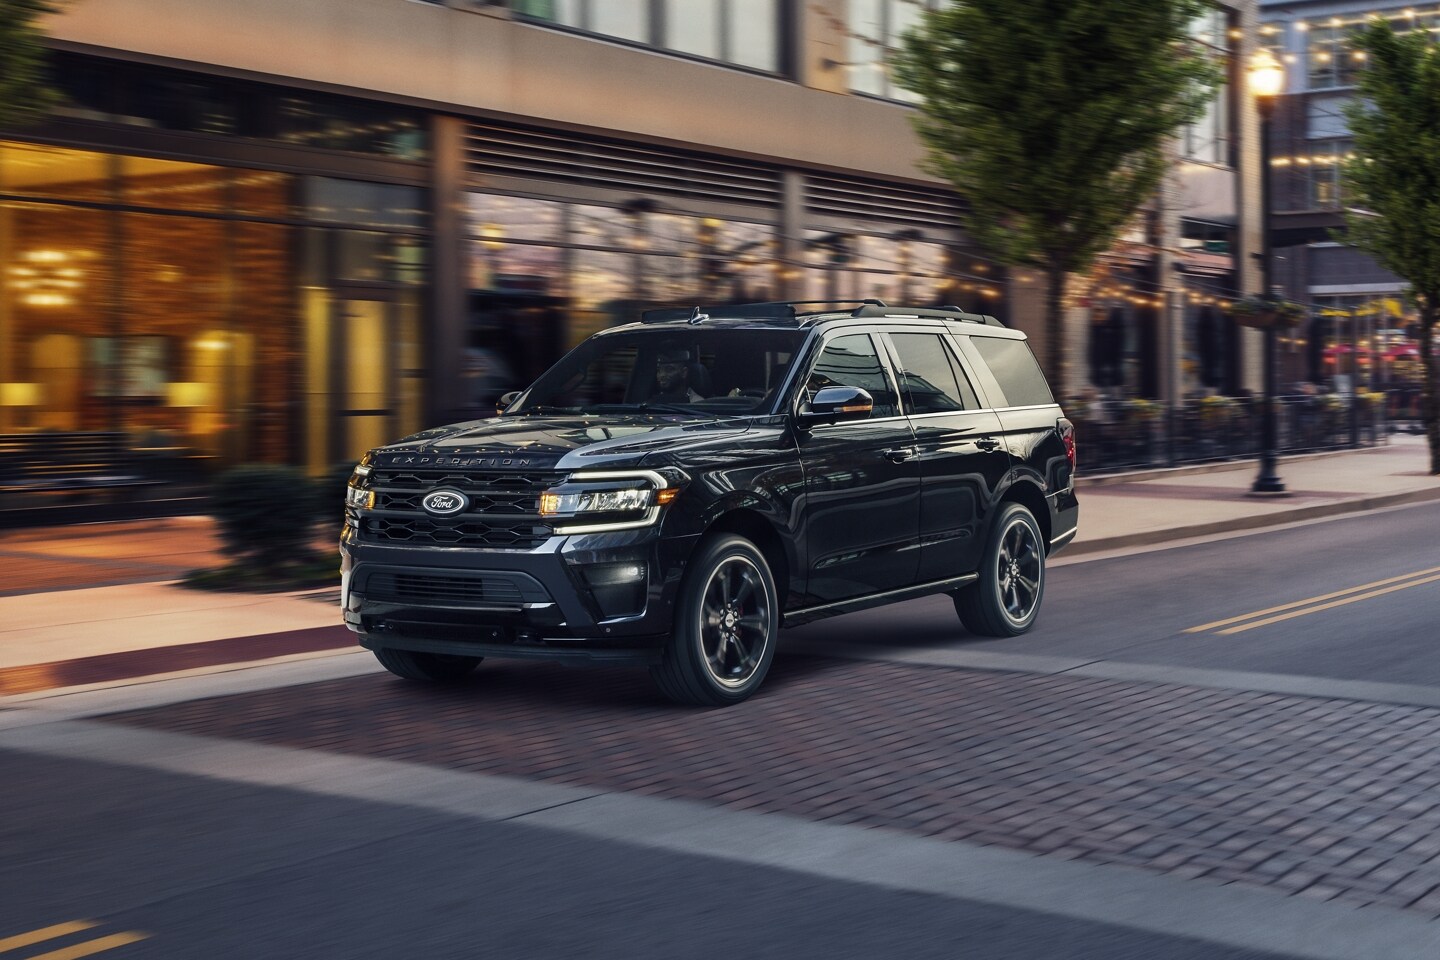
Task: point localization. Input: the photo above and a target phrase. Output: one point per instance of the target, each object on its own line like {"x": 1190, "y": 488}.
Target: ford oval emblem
{"x": 444, "y": 503}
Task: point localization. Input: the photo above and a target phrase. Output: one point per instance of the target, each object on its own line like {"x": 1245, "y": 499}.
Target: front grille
{"x": 449, "y": 591}
{"x": 504, "y": 508}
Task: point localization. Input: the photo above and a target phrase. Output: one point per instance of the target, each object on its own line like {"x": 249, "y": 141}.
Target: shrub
{"x": 266, "y": 513}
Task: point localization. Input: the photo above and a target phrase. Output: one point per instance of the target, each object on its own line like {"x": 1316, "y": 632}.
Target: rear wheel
{"x": 726, "y": 622}
{"x": 1005, "y": 600}
{"x": 428, "y": 667}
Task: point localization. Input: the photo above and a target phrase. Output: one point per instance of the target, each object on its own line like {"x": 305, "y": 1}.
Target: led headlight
{"x": 356, "y": 495}
{"x": 597, "y": 502}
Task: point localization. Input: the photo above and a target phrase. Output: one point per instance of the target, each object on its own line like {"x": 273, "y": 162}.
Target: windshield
{"x": 701, "y": 372}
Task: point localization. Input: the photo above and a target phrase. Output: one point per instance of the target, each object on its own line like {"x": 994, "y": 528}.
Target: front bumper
{"x": 534, "y": 603}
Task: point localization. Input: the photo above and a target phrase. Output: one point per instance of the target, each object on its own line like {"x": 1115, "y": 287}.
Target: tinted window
{"x": 1014, "y": 366}
{"x": 928, "y": 377}
{"x": 668, "y": 369}
{"x": 853, "y": 362}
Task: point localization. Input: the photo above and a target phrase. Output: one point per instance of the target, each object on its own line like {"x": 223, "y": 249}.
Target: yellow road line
{"x": 92, "y": 946}
{"x": 1300, "y": 603}
{"x": 1327, "y": 606}
{"x": 44, "y": 933}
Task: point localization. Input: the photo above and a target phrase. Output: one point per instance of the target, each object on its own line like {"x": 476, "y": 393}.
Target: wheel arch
{"x": 1028, "y": 494}
{"x": 748, "y": 522}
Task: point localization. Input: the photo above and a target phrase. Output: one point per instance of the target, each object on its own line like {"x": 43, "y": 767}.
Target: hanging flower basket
{"x": 1267, "y": 313}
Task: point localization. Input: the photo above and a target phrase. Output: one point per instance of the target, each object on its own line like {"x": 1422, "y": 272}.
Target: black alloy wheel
{"x": 1005, "y": 600}
{"x": 725, "y": 626}
{"x": 427, "y": 667}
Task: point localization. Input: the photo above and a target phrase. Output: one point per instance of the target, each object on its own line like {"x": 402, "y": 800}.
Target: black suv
{"x": 675, "y": 491}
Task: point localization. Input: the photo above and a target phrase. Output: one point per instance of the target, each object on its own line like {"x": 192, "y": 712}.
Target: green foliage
{"x": 1051, "y": 119}
{"x": 1394, "y": 180}
{"x": 266, "y": 513}
{"x": 24, "y": 94}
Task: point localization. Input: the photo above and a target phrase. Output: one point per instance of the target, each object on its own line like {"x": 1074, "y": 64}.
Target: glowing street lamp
{"x": 1266, "y": 76}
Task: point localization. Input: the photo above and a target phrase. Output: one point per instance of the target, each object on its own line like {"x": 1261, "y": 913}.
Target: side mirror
{"x": 836, "y": 405}
{"x": 506, "y": 399}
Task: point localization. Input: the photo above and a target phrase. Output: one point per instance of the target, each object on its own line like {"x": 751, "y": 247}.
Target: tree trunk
{"x": 1054, "y": 329}
{"x": 1429, "y": 402}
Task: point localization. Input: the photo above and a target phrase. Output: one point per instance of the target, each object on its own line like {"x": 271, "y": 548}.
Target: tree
{"x": 1051, "y": 118}
{"x": 1393, "y": 183}
{"x": 24, "y": 94}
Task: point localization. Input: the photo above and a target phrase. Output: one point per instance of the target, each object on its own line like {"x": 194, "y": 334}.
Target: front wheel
{"x": 428, "y": 667}
{"x": 726, "y": 623}
{"x": 1005, "y": 600}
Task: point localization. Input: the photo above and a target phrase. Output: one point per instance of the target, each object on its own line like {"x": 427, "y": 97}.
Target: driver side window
{"x": 853, "y": 361}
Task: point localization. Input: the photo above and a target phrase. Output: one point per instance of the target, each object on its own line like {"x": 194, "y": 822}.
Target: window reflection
{"x": 190, "y": 339}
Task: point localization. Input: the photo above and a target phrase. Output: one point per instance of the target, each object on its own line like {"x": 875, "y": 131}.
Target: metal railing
{"x": 1113, "y": 435}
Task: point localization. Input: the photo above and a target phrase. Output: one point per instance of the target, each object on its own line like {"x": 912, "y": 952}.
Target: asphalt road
{"x": 1139, "y": 608}
{"x": 143, "y": 862}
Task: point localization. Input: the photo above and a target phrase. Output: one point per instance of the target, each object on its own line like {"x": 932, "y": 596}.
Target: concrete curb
{"x": 1314, "y": 512}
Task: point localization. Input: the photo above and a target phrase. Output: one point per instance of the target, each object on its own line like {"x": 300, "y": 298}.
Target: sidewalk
{"x": 97, "y": 602}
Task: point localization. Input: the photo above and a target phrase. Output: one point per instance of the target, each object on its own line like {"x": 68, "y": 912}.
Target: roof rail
{"x": 938, "y": 313}
{"x": 771, "y": 310}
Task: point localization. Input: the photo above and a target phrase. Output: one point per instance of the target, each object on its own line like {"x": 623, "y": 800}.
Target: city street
{"x": 1223, "y": 749}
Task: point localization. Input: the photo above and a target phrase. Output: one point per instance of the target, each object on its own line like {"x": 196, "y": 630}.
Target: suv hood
{"x": 564, "y": 442}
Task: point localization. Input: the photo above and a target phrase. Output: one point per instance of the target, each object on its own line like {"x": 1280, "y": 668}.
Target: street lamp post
{"x": 1267, "y": 81}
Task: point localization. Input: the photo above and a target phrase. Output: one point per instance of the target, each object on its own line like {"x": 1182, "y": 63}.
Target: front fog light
{"x": 618, "y": 588}
{"x": 613, "y": 574}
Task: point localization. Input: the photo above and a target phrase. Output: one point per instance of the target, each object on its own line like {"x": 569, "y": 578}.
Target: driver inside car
{"x": 672, "y": 378}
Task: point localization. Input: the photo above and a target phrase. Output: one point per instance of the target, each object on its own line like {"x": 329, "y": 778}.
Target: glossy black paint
{"x": 845, "y": 512}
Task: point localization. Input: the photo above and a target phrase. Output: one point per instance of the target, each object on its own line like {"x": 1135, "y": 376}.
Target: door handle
{"x": 988, "y": 444}
{"x": 899, "y": 454}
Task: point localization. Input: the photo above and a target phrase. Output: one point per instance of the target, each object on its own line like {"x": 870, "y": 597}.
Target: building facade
{"x": 280, "y": 232}
{"x": 1358, "y": 335}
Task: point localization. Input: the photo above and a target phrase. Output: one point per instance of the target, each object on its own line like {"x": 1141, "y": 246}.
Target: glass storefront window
{"x": 363, "y": 204}
{"x": 207, "y": 340}
{"x": 146, "y": 182}
{"x": 54, "y": 305}
{"x": 262, "y": 193}
{"x": 38, "y": 171}
{"x": 498, "y": 218}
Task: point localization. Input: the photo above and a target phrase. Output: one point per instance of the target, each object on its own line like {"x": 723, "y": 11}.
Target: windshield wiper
{"x": 673, "y": 408}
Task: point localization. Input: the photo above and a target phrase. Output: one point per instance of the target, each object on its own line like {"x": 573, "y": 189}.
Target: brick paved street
{"x": 1329, "y": 799}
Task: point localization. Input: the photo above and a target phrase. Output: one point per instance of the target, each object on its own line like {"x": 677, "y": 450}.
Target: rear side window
{"x": 1015, "y": 368}
{"x": 852, "y": 361}
{"x": 928, "y": 376}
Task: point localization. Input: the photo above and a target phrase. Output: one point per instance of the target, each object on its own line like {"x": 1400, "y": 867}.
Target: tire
{"x": 726, "y": 622}
{"x": 1005, "y": 600}
{"x": 426, "y": 667}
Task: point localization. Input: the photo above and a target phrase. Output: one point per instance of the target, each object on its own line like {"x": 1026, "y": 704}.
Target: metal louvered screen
{"x": 579, "y": 158}
{"x": 877, "y": 200}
